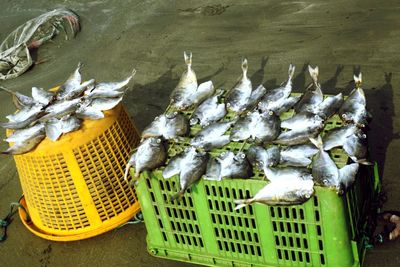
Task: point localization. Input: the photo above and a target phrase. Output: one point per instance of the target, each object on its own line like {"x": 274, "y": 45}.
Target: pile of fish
{"x": 293, "y": 153}
{"x": 52, "y": 114}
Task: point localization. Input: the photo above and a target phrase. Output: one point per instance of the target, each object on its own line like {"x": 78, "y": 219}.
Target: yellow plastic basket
{"x": 74, "y": 188}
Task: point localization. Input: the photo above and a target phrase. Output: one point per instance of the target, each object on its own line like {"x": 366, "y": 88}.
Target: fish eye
{"x": 271, "y": 113}
{"x": 242, "y": 155}
{"x": 307, "y": 196}
{"x": 364, "y": 136}
{"x": 344, "y": 115}
{"x": 158, "y": 140}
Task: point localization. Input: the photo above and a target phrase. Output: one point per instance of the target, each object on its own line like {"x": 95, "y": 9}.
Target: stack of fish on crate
{"x": 283, "y": 128}
{"x": 52, "y": 114}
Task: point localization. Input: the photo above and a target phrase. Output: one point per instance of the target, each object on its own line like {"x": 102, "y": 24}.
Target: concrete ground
{"x": 338, "y": 36}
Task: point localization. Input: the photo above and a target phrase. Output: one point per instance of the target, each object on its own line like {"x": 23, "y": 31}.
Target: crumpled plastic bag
{"x": 15, "y": 57}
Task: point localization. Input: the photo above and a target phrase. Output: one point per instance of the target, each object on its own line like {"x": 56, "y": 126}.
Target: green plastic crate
{"x": 204, "y": 228}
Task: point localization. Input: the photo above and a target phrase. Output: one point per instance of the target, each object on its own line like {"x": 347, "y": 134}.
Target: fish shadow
{"x": 258, "y": 76}
{"x": 299, "y": 82}
{"x": 381, "y": 133}
{"x": 329, "y": 86}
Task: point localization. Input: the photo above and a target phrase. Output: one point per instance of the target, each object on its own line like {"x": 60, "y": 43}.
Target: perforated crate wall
{"x": 74, "y": 187}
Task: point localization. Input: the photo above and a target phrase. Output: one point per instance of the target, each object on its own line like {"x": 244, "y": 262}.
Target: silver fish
{"x": 273, "y": 100}
{"x": 329, "y": 106}
{"x": 238, "y": 97}
{"x": 70, "y": 124}
{"x": 302, "y": 120}
{"x": 20, "y": 100}
{"x": 281, "y": 192}
{"x": 212, "y": 136}
{"x": 77, "y": 91}
{"x": 25, "y": 113}
{"x": 192, "y": 167}
{"x": 255, "y": 97}
{"x": 25, "y": 134}
{"x": 287, "y": 173}
{"x": 42, "y": 96}
{"x": 297, "y": 137}
{"x": 110, "y": 89}
{"x": 87, "y": 112}
{"x": 355, "y": 146}
{"x": 262, "y": 128}
{"x": 167, "y": 125}
{"x": 229, "y": 165}
{"x": 73, "y": 82}
{"x": 313, "y": 97}
{"x": 53, "y": 128}
{"x": 26, "y": 145}
{"x": 150, "y": 155}
{"x": 105, "y": 103}
{"x": 299, "y": 155}
{"x": 174, "y": 166}
{"x": 337, "y": 136}
{"x": 208, "y": 112}
{"x": 186, "y": 86}
{"x": 61, "y": 108}
{"x": 260, "y": 157}
{"x": 287, "y": 104}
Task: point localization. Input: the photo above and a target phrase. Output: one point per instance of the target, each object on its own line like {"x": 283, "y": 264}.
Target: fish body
{"x": 110, "y": 89}
{"x": 287, "y": 104}
{"x": 167, "y": 125}
{"x": 105, "y": 103}
{"x": 73, "y": 82}
{"x": 274, "y": 99}
{"x": 313, "y": 97}
{"x": 208, "y": 112}
{"x": 20, "y": 100}
{"x": 85, "y": 111}
{"x": 260, "y": 157}
{"x": 22, "y": 135}
{"x": 42, "y": 96}
{"x": 212, "y": 136}
{"x": 25, "y": 113}
{"x": 255, "y": 97}
{"x": 297, "y": 137}
{"x": 329, "y": 106}
{"x": 150, "y": 154}
{"x": 356, "y": 146}
{"x": 238, "y": 97}
{"x": 337, "y": 136}
{"x": 229, "y": 165}
{"x": 302, "y": 121}
{"x": 287, "y": 173}
{"x": 298, "y": 155}
{"x": 61, "y": 108}
{"x": 75, "y": 92}
{"x": 25, "y": 146}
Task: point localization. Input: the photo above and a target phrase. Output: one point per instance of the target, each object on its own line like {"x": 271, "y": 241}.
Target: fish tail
{"x": 177, "y": 196}
{"x": 358, "y": 80}
{"x": 133, "y": 73}
{"x": 188, "y": 58}
{"x": 313, "y": 73}
{"x": 240, "y": 203}
{"x": 362, "y": 161}
{"x": 244, "y": 66}
{"x": 317, "y": 142}
{"x": 128, "y": 166}
{"x": 291, "y": 71}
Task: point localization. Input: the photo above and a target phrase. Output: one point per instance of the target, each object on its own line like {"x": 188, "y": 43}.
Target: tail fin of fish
{"x": 317, "y": 142}
{"x": 241, "y": 203}
{"x": 177, "y": 196}
{"x": 188, "y": 58}
{"x": 361, "y": 161}
{"x": 128, "y": 166}
{"x": 358, "y": 80}
{"x": 291, "y": 70}
{"x": 313, "y": 73}
{"x": 245, "y": 66}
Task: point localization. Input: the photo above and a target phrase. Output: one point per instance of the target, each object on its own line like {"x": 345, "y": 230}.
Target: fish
{"x": 287, "y": 174}
{"x": 186, "y": 85}
{"x": 150, "y": 154}
{"x": 25, "y": 113}
{"x": 53, "y": 129}
{"x": 73, "y": 82}
{"x": 262, "y": 128}
{"x": 281, "y": 192}
{"x": 273, "y": 100}
{"x": 87, "y": 112}
{"x": 191, "y": 168}
{"x": 303, "y": 120}
{"x": 238, "y": 97}
{"x": 356, "y": 146}
{"x": 326, "y": 173}
{"x": 25, "y": 146}
{"x": 229, "y": 165}
{"x": 170, "y": 126}
{"x": 208, "y": 112}
{"x": 298, "y": 155}
{"x": 77, "y": 91}
{"x": 105, "y": 103}
{"x": 70, "y": 123}
{"x": 61, "y": 108}
{"x": 174, "y": 166}
{"x": 329, "y": 106}
{"x": 297, "y": 136}
{"x": 313, "y": 97}
{"x": 110, "y": 89}
{"x": 26, "y": 134}
{"x": 255, "y": 97}
{"x": 42, "y": 96}
{"x": 336, "y": 137}
{"x": 195, "y": 97}
{"x": 20, "y": 100}
{"x": 260, "y": 157}
{"x": 212, "y": 136}
{"x": 287, "y": 104}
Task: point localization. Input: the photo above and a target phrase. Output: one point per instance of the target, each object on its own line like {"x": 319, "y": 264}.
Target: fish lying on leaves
{"x": 212, "y": 136}
{"x": 169, "y": 126}
{"x": 208, "y": 112}
{"x": 190, "y": 166}
{"x": 289, "y": 191}
{"x": 150, "y": 154}
{"x": 326, "y": 173}
{"x": 228, "y": 165}
{"x": 238, "y": 97}
{"x": 276, "y": 98}
{"x": 313, "y": 97}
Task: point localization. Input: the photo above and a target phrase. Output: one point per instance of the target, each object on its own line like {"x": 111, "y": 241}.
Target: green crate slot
{"x": 204, "y": 228}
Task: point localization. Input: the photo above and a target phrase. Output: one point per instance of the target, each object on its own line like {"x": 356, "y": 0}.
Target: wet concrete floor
{"x": 338, "y": 36}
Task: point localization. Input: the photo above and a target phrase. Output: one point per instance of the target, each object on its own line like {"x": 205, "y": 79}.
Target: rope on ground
{"x": 4, "y": 223}
{"x": 138, "y": 218}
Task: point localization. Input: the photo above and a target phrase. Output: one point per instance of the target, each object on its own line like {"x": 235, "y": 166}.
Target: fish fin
{"x": 245, "y": 66}
{"x": 128, "y": 166}
{"x": 317, "y": 142}
{"x": 358, "y": 80}
{"x": 313, "y": 73}
{"x": 240, "y": 203}
{"x": 362, "y": 161}
{"x": 291, "y": 70}
{"x": 133, "y": 73}
{"x": 188, "y": 58}
{"x": 177, "y": 196}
